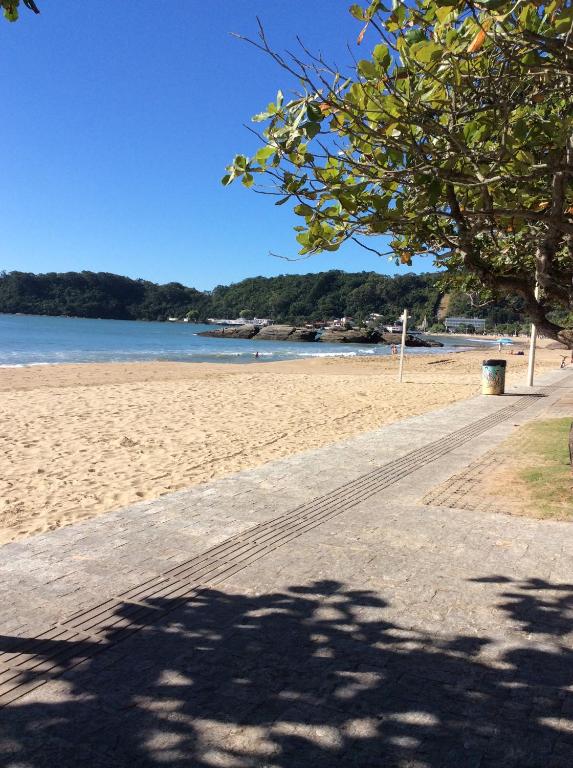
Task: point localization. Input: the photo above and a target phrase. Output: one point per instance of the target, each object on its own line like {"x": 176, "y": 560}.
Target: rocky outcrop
{"x": 285, "y": 333}
{"x": 421, "y": 341}
{"x": 352, "y": 336}
{"x": 329, "y": 336}
{"x": 411, "y": 341}
{"x": 232, "y": 332}
{"x": 266, "y": 333}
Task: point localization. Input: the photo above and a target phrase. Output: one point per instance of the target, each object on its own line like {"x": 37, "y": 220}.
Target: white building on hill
{"x": 461, "y": 324}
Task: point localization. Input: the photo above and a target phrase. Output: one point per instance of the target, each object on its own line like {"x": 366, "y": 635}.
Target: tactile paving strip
{"x": 29, "y": 663}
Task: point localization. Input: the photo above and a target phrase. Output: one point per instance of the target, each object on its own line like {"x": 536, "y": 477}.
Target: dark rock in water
{"x": 267, "y": 333}
{"x": 331, "y": 335}
{"x": 411, "y": 341}
{"x": 352, "y": 336}
{"x": 391, "y": 338}
{"x": 232, "y": 332}
{"x": 303, "y": 334}
{"x": 285, "y": 333}
{"x": 421, "y": 341}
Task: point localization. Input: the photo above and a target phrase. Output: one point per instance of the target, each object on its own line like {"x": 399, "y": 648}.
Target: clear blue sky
{"x": 118, "y": 121}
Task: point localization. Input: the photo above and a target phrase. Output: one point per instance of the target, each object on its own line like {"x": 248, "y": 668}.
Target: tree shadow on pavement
{"x": 310, "y": 676}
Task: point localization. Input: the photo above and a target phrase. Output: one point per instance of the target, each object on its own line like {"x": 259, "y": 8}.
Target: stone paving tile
{"x": 394, "y": 634}
{"x": 465, "y": 490}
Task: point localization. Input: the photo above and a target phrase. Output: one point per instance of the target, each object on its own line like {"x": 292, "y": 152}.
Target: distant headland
{"x": 291, "y": 299}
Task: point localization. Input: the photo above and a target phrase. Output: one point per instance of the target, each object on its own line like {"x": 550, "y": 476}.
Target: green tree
{"x": 454, "y": 138}
{"x": 286, "y": 298}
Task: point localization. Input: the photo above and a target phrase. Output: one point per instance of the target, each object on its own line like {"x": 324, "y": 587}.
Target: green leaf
{"x": 396, "y": 155}
{"x": 381, "y": 203}
{"x": 563, "y": 21}
{"x": 11, "y": 11}
{"x": 520, "y": 128}
{"x": 348, "y": 202}
{"x": 415, "y": 36}
{"x": 240, "y": 162}
{"x": 398, "y": 16}
{"x": 434, "y": 189}
{"x": 260, "y": 117}
{"x": 367, "y": 69}
{"x": 248, "y": 180}
{"x": 283, "y": 200}
{"x": 443, "y": 13}
{"x": 314, "y": 112}
{"x": 382, "y": 56}
{"x": 264, "y": 153}
{"x": 426, "y": 52}
{"x": 311, "y": 129}
{"x": 357, "y": 12}
{"x": 475, "y": 132}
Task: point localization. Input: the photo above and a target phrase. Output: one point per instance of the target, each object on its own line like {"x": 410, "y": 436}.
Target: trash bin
{"x": 493, "y": 377}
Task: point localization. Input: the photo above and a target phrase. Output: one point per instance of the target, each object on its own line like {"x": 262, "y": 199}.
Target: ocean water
{"x": 35, "y": 340}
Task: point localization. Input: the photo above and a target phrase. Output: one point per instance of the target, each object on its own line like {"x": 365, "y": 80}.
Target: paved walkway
{"x": 312, "y": 612}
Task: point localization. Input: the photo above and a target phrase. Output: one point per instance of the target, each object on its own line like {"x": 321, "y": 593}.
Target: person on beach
{"x": 394, "y": 350}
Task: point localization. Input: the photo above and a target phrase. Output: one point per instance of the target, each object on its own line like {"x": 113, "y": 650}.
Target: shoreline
{"x": 81, "y": 439}
{"x": 309, "y": 350}
{"x": 264, "y": 356}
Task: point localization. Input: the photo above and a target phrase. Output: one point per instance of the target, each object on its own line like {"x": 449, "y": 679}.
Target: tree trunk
{"x": 565, "y": 336}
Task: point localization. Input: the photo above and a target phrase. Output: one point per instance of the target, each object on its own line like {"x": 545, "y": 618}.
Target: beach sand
{"x": 80, "y": 440}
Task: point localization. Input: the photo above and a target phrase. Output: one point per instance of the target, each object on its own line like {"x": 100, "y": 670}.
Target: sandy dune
{"x": 81, "y": 440}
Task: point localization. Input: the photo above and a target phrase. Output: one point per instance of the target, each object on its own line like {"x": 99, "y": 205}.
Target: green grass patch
{"x": 544, "y": 468}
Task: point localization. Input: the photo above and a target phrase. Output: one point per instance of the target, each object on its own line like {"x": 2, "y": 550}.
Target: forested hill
{"x": 287, "y": 298}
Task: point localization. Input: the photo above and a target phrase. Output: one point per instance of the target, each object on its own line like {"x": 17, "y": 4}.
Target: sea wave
{"x": 353, "y": 353}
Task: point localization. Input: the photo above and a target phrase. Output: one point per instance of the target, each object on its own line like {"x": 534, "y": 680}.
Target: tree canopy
{"x": 95, "y": 294}
{"x": 288, "y": 298}
{"x": 453, "y": 137}
{"x": 284, "y": 298}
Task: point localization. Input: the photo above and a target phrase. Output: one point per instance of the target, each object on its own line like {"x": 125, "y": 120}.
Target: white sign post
{"x": 403, "y": 344}
{"x": 532, "y": 343}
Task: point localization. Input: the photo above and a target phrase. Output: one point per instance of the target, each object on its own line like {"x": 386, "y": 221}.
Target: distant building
{"x": 240, "y": 321}
{"x": 461, "y": 324}
{"x": 396, "y": 326}
{"x": 342, "y": 322}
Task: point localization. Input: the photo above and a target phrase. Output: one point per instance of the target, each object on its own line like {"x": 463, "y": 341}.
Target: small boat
{"x": 505, "y": 341}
